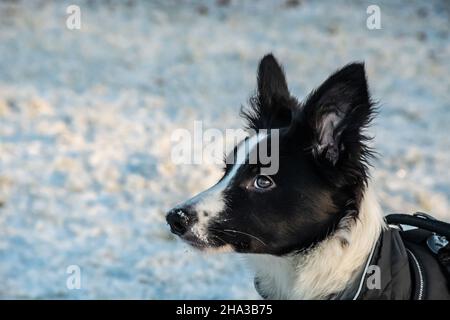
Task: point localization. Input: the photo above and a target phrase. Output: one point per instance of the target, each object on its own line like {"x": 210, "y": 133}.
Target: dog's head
{"x": 322, "y": 170}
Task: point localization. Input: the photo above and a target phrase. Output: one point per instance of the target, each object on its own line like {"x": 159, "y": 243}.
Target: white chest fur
{"x": 327, "y": 269}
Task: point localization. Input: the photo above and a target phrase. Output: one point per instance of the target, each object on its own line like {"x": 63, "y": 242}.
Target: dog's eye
{"x": 263, "y": 182}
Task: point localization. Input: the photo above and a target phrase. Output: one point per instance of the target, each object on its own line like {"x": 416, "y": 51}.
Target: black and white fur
{"x": 308, "y": 229}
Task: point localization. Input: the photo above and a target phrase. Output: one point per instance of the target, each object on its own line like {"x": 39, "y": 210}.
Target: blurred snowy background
{"x": 86, "y": 118}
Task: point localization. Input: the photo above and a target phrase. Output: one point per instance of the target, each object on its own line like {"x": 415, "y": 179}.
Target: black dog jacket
{"x": 414, "y": 264}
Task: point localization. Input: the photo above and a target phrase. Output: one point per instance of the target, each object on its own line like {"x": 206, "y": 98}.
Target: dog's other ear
{"x": 335, "y": 115}
{"x": 272, "y": 104}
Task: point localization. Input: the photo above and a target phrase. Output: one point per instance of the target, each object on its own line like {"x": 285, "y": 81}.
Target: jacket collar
{"x": 388, "y": 261}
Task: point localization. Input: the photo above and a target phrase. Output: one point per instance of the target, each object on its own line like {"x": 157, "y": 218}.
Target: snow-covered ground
{"x": 86, "y": 118}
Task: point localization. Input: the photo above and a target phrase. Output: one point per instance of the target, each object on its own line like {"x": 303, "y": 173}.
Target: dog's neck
{"x": 330, "y": 267}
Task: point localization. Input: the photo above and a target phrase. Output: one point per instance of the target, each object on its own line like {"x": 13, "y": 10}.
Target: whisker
{"x": 219, "y": 238}
{"x": 218, "y": 230}
{"x": 236, "y": 231}
{"x": 222, "y": 231}
{"x": 247, "y": 234}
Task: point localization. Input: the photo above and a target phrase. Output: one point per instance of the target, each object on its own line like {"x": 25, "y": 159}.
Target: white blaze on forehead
{"x": 211, "y": 202}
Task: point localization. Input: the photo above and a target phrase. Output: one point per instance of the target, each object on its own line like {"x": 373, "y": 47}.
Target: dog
{"x": 310, "y": 229}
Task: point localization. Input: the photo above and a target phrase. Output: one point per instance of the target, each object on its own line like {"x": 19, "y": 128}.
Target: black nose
{"x": 178, "y": 220}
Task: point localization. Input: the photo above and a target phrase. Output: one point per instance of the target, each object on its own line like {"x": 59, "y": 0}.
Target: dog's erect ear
{"x": 272, "y": 104}
{"x": 336, "y": 113}
{"x": 271, "y": 81}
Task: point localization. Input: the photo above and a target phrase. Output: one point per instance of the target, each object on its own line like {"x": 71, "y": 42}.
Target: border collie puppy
{"x": 310, "y": 228}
